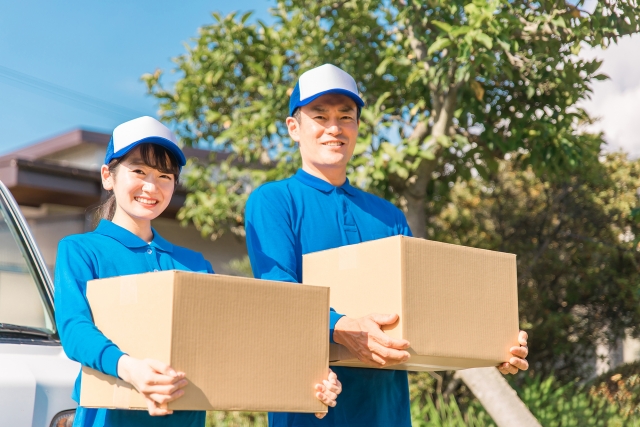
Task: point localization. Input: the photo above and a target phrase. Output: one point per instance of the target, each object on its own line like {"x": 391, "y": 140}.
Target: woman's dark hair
{"x": 154, "y": 156}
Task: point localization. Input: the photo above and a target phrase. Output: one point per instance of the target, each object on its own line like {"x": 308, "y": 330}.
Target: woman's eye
{"x": 166, "y": 177}
{"x": 138, "y": 171}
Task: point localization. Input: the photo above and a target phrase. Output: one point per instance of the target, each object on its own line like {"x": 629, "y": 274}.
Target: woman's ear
{"x": 294, "y": 128}
{"x": 107, "y": 178}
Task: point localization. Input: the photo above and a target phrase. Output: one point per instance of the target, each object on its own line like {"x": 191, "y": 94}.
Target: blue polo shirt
{"x": 110, "y": 251}
{"x": 304, "y": 214}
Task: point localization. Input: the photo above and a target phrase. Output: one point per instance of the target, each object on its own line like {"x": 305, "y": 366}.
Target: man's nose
{"x": 334, "y": 128}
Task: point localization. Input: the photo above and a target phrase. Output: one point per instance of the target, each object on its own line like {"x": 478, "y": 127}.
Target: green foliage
{"x": 566, "y": 405}
{"x": 236, "y": 419}
{"x": 431, "y": 407}
{"x": 446, "y": 413}
{"x": 578, "y": 264}
{"x": 450, "y": 86}
{"x": 620, "y": 387}
{"x": 573, "y": 405}
{"x": 241, "y": 267}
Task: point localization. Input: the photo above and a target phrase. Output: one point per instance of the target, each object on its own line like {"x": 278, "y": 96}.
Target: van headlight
{"x": 63, "y": 419}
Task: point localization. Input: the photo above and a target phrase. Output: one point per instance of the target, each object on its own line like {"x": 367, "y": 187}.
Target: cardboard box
{"x": 244, "y": 344}
{"x": 458, "y": 306}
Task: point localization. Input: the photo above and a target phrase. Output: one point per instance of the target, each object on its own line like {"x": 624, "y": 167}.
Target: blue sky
{"x": 101, "y": 48}
{"x": 97, "y": 48}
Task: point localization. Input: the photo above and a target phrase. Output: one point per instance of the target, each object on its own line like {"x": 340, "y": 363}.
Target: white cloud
{"x": 617, "y": 101}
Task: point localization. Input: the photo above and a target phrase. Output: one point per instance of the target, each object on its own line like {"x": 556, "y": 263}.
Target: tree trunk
{"x": 497, "y": 397}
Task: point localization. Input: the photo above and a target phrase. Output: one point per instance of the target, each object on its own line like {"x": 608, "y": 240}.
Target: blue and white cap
{"x": 143, "y": 130}
{"x": 321, "y": 80}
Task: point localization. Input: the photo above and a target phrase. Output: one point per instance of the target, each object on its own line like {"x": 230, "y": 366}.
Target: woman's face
{"x": 141, "y": 192}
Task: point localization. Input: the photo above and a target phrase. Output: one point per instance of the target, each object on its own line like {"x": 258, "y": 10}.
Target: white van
{"x": 36, "y": 378}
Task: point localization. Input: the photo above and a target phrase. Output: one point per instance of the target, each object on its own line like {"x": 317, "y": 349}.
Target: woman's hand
{"x": 328, "y": 391}
{"x": 158, "y": 382}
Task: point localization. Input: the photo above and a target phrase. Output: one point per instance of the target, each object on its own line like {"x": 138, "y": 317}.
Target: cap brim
{"x": 168, "y": 144}
{"x": 359, "y": 102}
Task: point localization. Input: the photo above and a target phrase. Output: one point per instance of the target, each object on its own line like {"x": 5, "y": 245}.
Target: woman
{"x": 141, "y": 169}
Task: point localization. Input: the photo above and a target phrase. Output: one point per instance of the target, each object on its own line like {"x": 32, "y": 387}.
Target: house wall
{"x": 50, "y": 223}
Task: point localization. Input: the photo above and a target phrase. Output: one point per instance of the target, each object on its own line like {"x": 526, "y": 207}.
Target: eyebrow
{"x": 137, "y": 161}
{"x": 344, "y": 109}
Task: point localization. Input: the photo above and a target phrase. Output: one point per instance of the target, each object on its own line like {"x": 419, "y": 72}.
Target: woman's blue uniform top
{"x": 108, "y": 251}
{"x": 287, "y": 219}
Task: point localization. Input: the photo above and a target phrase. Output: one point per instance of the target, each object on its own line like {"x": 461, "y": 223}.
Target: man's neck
{"x": 334, "y": 176}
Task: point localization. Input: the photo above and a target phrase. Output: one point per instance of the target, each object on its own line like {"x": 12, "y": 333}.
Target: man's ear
{"x": 294, "y": 128}
{"x": 107, "y": 178}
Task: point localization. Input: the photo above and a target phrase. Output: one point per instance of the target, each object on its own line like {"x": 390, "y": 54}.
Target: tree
{"x": 450, "y": 87}
{"x": 577, "y": 247}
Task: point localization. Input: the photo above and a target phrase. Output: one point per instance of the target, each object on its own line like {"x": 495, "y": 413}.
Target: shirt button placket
{"x": 152, "y": 259}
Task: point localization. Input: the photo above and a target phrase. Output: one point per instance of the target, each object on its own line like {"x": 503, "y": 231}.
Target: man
{"x": 318, "y": 209}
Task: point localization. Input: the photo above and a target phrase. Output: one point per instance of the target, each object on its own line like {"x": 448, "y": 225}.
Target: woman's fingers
{"x": 161, "y": 367}
{"x": 324, "y": 399}
{"x": 320, "y": 415}
{"x": 163, "y": 399}
{"x": 167, "y": 389}
{"x": 156, "y": 409}
{"x": 332, "y": 387}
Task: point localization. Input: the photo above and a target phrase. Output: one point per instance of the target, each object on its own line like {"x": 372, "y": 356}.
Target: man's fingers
{"x": 522, "y": 338}
{"x": 386, "y": 341}
{"x": 503, "y": 368}
{"x": 519, "y": 363}
{"x": 521, "y": 352}
{"x": 507, "y": 368}
{"x": 390, "y": 354}
{"x": 384, "y": 319}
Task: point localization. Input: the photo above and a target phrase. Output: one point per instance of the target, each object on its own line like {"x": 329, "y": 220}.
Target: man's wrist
{"x": 342, "y": 325}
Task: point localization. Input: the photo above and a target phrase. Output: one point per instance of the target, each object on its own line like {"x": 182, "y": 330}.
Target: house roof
{"x": 45, "y": 171}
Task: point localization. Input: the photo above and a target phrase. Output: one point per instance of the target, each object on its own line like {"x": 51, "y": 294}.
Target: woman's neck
{"x": 139, "y": 227}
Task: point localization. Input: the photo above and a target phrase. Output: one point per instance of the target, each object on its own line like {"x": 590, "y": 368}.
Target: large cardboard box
{"x": 458, "y": 306}
{"x": 244, "y": 344}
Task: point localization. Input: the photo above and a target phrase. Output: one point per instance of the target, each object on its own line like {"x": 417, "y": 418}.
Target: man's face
{"x": 327, "y": 132}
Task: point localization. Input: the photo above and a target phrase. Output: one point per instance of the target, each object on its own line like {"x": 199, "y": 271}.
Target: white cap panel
{"x": 137, "y": 129}
{"x": 324, "y": 78}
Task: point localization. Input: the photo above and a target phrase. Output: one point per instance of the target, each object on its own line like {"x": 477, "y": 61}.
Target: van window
{"x": 20, "y": 300}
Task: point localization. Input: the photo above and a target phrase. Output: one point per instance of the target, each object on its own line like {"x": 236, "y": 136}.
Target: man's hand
{"x": 518, "y": 361}
{"x": 155, "y": 380}
{"x": 328, "y": 392}
{"x": 365, "y": 340}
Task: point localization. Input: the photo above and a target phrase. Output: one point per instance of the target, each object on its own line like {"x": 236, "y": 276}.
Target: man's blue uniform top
{"x": 110, "y": 251}
{"x": 304, "y": 214}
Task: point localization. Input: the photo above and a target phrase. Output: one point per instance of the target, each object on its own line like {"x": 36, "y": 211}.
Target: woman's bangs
{"x": 159, "y": 158}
